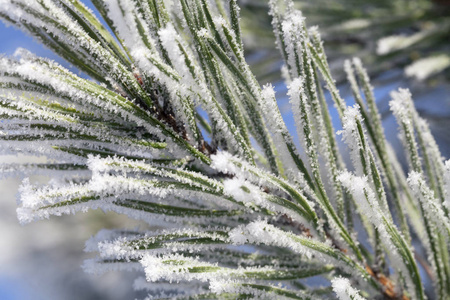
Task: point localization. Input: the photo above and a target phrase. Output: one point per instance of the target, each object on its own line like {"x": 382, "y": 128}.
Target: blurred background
{"x": 403, "y": 43}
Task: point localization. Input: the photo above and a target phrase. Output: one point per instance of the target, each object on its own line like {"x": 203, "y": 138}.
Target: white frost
{"x": 344, "y": 290}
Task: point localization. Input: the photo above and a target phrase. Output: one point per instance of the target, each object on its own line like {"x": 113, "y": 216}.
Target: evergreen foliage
{"x": 174, "y": 129}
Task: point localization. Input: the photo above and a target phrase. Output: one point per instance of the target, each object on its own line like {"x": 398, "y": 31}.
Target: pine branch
{"x": 173, "y": 128}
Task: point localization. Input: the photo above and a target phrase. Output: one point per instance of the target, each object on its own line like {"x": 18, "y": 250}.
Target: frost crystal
{"x": 343, "y": 289}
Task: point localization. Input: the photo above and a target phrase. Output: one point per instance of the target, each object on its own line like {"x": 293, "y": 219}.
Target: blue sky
{"x": 12, "y": 38}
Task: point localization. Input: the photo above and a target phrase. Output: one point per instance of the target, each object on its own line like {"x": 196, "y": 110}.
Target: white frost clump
{"x": 355, "y": 24}
{"x": 343, "y": 289}
{"x": 397, "y": 42}
{"x": 260, "y": 232}
{"x": 425, "y": 67}
{"x": 292, "y": 31}
{"x": 172, "y": 267}
{"x": 388, "y": 44}
{"x": 400, "y": 104}
{"x": 243, "y": 191}
{"x": 351, "y": 137}
{"x": 222, "y": 162}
